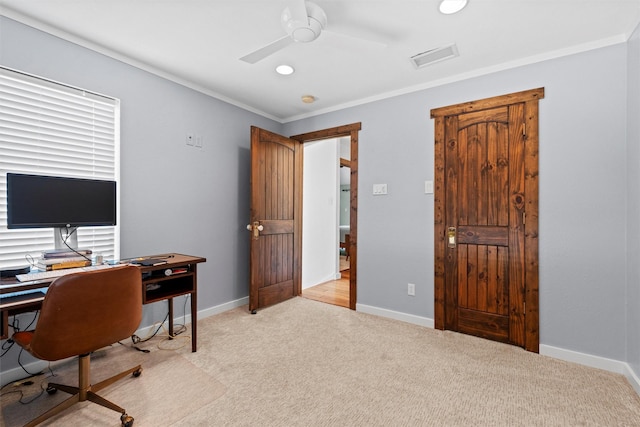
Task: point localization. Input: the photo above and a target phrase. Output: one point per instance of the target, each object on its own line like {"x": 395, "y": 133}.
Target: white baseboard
{"x": 18, "y": 373}
{"x": 633, "y": 378}
{"x": 404, "y": 317}
{"x": 604, "y": 363}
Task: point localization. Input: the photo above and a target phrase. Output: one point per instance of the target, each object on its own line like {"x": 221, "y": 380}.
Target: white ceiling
{"x": 199, "y": 42}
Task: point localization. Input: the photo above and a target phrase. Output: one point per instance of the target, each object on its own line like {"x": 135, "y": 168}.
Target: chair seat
{"x": 23, "y": 339}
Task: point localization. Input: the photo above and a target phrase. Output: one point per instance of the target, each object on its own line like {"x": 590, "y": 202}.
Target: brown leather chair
{"x": 81, "y": 313}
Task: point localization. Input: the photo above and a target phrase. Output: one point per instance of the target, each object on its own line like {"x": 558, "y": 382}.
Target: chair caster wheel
{"x": 51, "y": 390}
{"x": 137, "y": 372}
{"x": 126, "y": 420}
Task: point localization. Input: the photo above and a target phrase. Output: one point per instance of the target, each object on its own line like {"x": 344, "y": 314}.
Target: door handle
{"x": 256, "y": 227}
{"x": 451, "y": 237}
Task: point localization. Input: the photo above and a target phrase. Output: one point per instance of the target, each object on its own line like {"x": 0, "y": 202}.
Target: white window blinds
{"x": 47, "y": 128}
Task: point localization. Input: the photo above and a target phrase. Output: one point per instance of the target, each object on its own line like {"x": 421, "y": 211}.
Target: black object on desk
{"x": 149, "y": 262}
{"x": 13, "y": 272}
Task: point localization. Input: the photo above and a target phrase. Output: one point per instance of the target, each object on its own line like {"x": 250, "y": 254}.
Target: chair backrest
{"x": 83, "y": 312}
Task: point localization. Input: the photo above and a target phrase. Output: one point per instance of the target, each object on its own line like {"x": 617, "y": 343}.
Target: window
{"x": 47, "y": 128}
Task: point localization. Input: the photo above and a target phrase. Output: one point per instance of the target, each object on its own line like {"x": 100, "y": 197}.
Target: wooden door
{"x": 486, "y": 218}
{"x": 275, "y": 218}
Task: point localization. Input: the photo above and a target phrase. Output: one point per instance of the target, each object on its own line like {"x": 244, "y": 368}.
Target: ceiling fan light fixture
{"x": 285, "y": 69}
{"x": 449, "y": 7}
{"x": 308, "y": 99}
{"x": 304, "y": 30}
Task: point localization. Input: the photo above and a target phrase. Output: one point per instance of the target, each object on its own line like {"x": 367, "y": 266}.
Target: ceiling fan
{"x": 303, "y": 22}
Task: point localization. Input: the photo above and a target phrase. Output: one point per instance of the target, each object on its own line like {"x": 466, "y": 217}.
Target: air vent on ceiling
{"x": 434, "y": 55}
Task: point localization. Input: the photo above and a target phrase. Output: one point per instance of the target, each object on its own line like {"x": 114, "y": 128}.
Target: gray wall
{"x": 174, "y": 198}
{"x": 633, "y": 204}
{"x": 582, "y": 195}
{"x": 177, "y": 198}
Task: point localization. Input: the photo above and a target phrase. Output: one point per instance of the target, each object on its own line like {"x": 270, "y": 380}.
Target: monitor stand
{"x": 60, "y": 235}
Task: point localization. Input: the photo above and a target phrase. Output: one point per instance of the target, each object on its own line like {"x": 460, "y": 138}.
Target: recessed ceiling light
{"x": 452, "y": 6}
{"x": 285, "y": 70}
{"x": 308, "y": 99}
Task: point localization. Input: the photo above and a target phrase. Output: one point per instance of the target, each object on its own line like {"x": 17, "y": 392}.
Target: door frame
{"x": 352, "y": 131}
{"x": 530, "y": 134}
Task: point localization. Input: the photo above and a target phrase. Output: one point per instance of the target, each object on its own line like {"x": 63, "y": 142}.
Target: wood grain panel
{"x": 484, "y": 104}
{"x": 480, "y": 117}
{"x": 485, "y": 325}
{"x": 276, "y": 226}
{"x": 486, "y": 176}
{"x": 531, "y": 227}
{"x": 516, "y": 226}
{"x": 483, "y": 273}
{"x": 484, "y": 235}
{"x": 452, "y": 168}
{"x": 274, "y": 252}
{"x": 439, "y": 226}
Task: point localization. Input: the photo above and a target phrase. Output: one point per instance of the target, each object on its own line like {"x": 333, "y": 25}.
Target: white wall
{"x": 633, "y": 205}
{"x": 320, "y": 213}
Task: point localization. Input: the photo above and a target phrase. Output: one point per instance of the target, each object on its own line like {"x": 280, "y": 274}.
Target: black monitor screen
{"x": 48, "y": 201}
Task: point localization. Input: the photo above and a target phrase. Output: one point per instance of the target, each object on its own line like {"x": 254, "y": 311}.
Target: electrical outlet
{"x": 411, "y": 289}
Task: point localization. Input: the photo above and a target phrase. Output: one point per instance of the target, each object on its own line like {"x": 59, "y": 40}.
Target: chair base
{"x": 86, "y": 391}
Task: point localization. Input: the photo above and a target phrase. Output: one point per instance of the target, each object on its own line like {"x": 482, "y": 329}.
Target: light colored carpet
{"x": 169, "y": 388}
{"x": 306, "y": 363}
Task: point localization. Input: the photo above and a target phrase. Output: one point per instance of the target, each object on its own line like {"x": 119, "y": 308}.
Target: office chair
{"x": 81, "y": 313}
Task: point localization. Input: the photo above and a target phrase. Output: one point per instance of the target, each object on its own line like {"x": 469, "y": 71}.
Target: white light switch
{"x": 428, "y": 187}
{"x": 379, "y": 189}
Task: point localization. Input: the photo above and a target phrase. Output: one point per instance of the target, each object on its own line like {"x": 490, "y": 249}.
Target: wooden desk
{"x": 156, "y": 286}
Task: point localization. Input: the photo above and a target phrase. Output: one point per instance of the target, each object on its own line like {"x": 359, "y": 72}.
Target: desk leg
{"x": 170, "y": 302}
{"x": 4, "y": 324}
{"x": 194, "y": 321}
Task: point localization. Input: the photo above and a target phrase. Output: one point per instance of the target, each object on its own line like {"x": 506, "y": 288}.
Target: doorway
{"x": 351, "y": 132}
{"x": 275, "y": 215}
{"x": 326, "y": 221}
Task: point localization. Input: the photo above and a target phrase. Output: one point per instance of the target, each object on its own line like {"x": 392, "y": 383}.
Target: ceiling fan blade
{"x": 268, "y": 50}
{"x": 298, "y": 11}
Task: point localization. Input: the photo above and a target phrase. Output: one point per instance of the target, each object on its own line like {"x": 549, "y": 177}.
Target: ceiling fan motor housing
{"x": 305, "y": 30}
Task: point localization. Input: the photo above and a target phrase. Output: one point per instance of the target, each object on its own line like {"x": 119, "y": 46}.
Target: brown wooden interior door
{"x": 275, "y": 218}
{"x": 485, "y": 194}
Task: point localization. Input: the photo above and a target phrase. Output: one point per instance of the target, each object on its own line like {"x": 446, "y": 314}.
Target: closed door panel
{"x": 481, "y": 203}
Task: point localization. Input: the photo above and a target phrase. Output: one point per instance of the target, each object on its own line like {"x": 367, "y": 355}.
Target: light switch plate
{"x": 379, "y": 189}
{"x": 428, "y": 187}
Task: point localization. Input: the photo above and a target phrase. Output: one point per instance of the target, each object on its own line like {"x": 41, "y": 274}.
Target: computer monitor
{"x": 39, "y": 201}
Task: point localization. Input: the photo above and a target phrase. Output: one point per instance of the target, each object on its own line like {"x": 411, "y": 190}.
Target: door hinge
{"x": 524, "y": 218}
{"x": 524, "y": 129}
